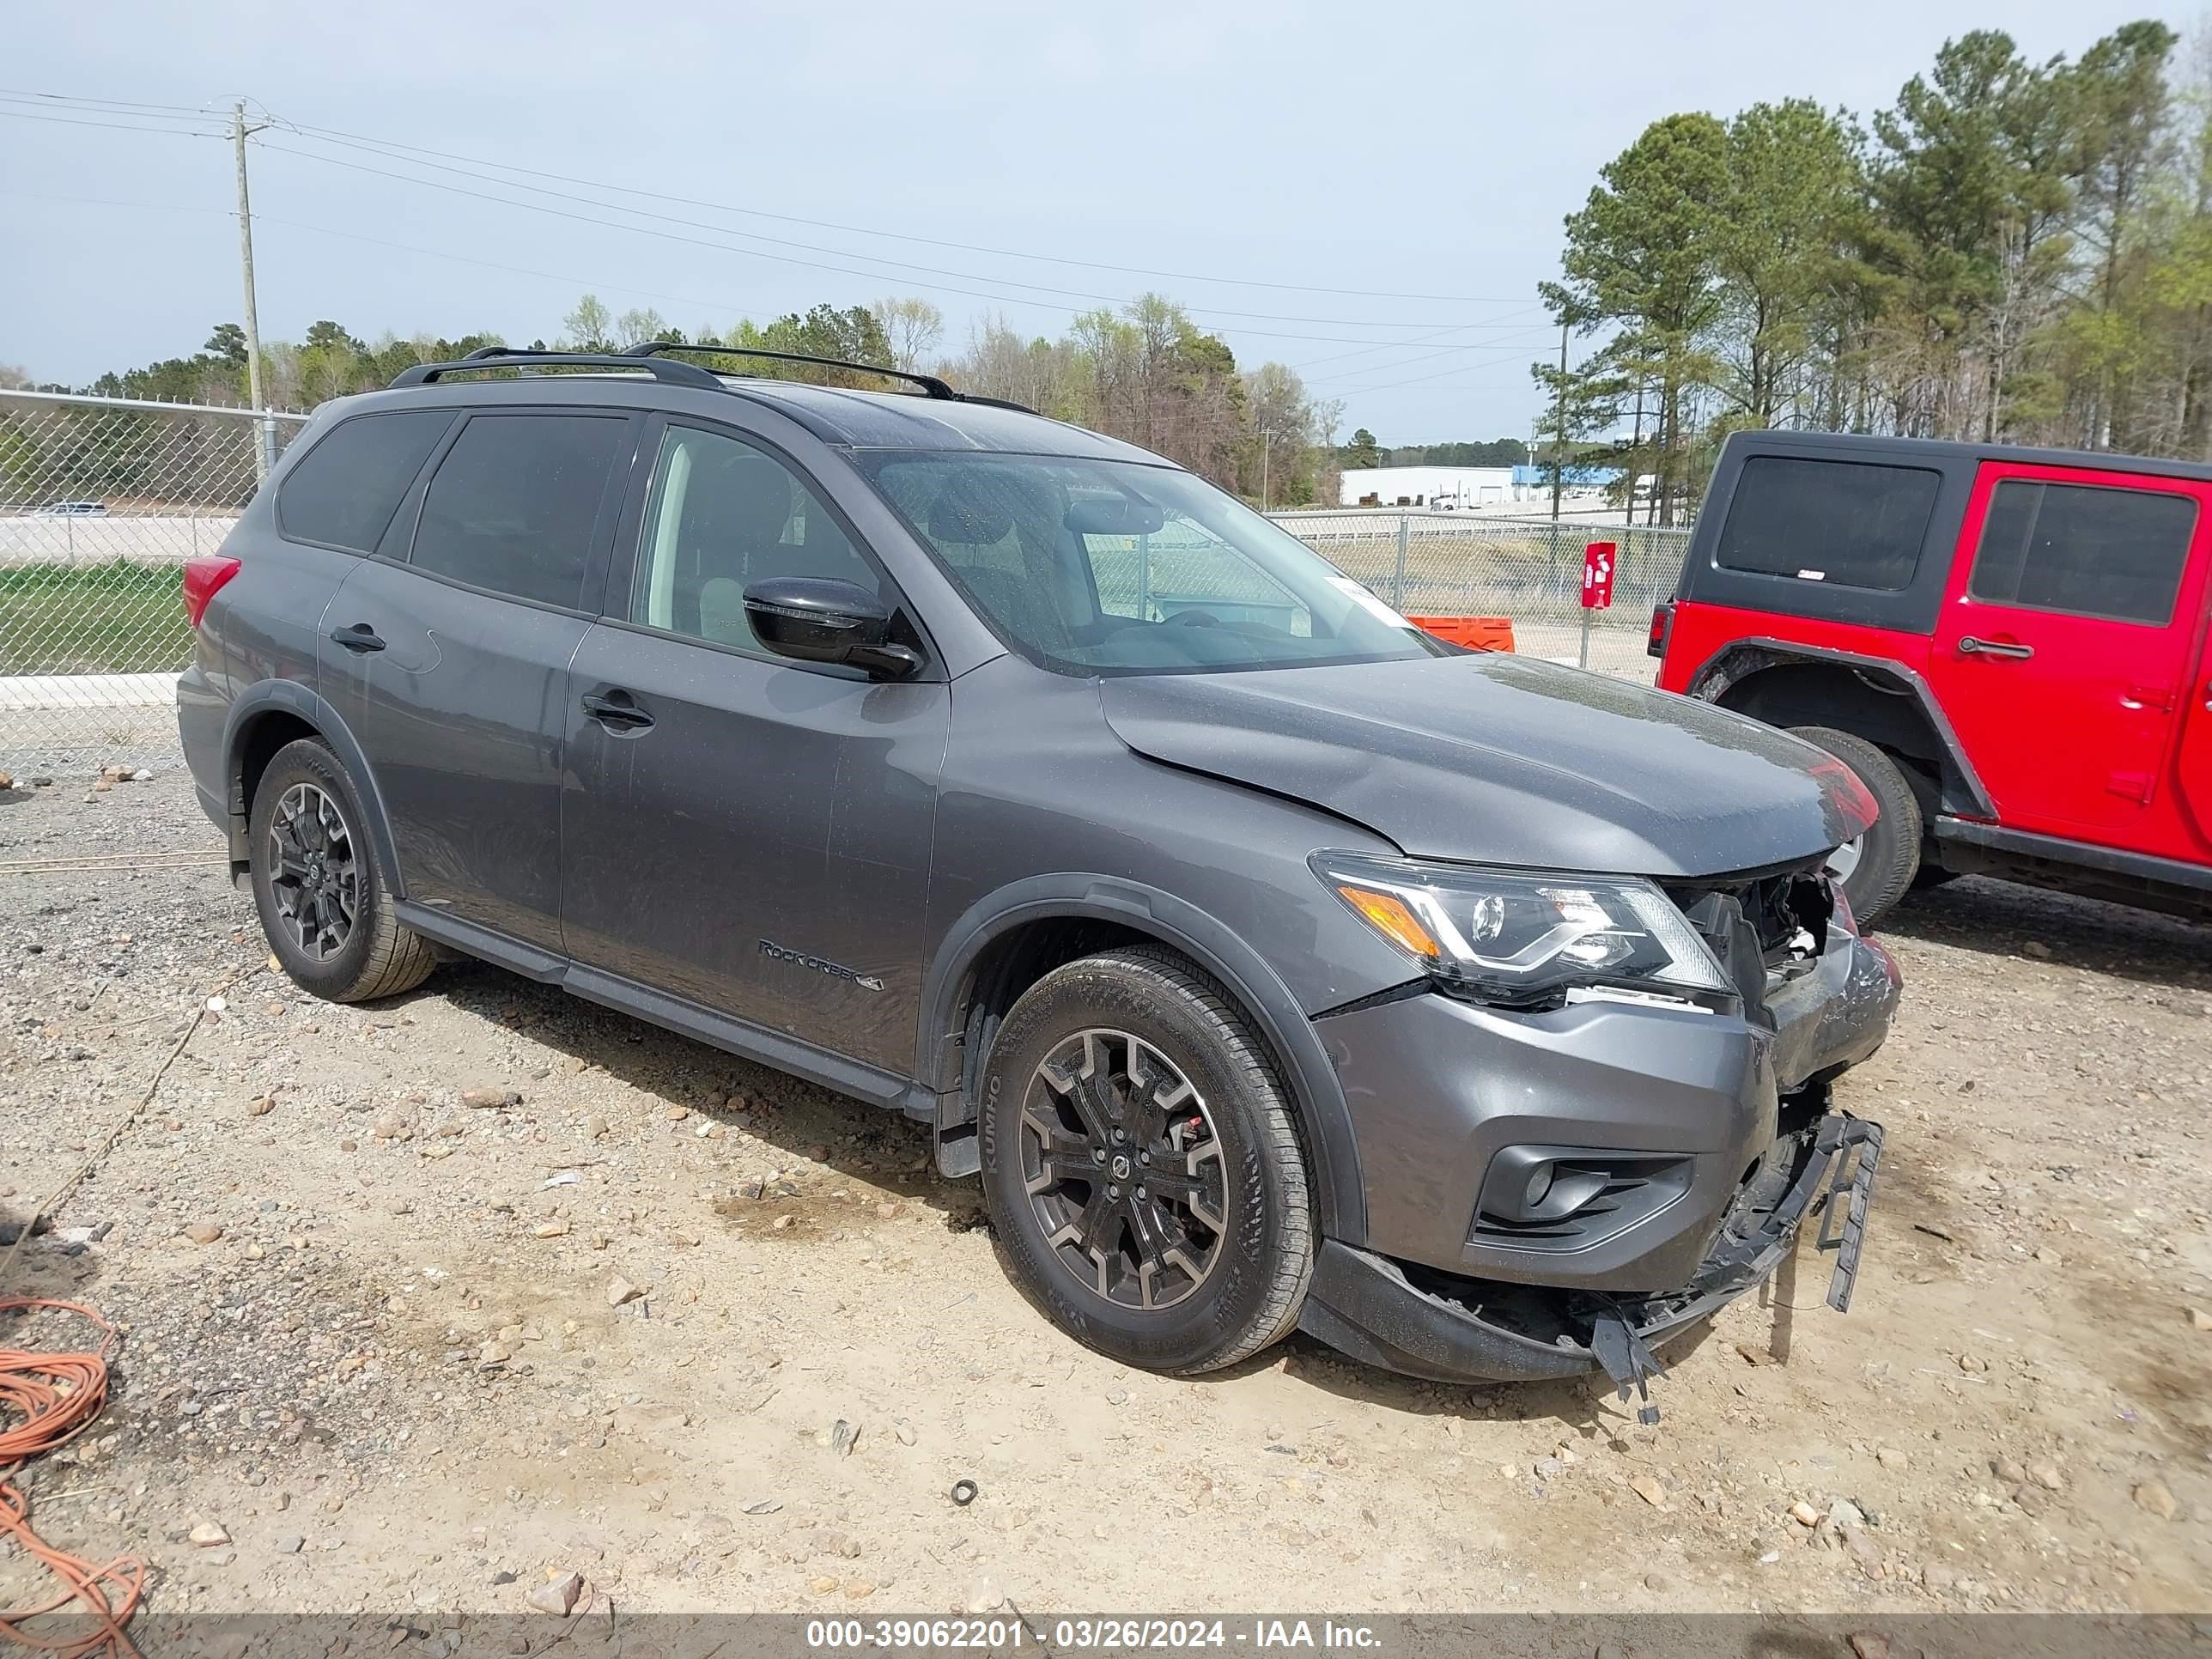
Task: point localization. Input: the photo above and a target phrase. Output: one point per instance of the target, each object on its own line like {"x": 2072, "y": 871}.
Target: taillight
{"x": 1663, "y": 618}
{"x": 203, "y": 576}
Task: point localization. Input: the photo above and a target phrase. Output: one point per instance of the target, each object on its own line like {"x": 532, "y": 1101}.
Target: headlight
{"x": 1520, "y": 939}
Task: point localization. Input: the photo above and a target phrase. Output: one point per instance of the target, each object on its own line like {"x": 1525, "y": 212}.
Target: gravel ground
{"x": 497, "y": 1286}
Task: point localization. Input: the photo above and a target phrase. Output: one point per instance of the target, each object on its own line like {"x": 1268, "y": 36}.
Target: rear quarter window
{"x": 1851, "y": 524}
{"x": 343, "y": 491}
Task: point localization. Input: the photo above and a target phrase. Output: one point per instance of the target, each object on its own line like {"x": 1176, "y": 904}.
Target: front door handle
{"x": 360, "y": 637}
{"x": 1971, "y": 647}
{"x": 616, "y": 710}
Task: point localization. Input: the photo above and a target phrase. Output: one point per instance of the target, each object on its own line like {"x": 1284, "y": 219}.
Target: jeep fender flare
{"x": 1739, "y": 660}
{"x": 290, "y": 697}
{"x": 1317, "y": 1097}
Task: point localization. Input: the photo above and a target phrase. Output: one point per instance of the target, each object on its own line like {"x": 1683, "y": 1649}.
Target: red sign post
{"x": 1598, "y": 561}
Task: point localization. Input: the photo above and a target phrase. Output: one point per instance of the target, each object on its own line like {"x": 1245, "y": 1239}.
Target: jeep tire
{"x": 1885, "y": 860}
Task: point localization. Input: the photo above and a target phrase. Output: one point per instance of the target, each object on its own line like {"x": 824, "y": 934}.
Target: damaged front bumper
{"x": 1434, "y": 1326}
{"x": 1703, "y": 1141}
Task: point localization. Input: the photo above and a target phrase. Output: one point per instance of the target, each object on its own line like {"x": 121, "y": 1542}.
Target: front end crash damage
{"x": 1450, "y": 1329}
{"x": 1559, "y": 1190}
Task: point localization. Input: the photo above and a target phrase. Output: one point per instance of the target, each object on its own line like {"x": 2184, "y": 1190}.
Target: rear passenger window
{"x": 1853, "y": 523}
{"x": 344, "y": 490}
{"x": 514, "y": 503}
{"x": 2085, "y": 550}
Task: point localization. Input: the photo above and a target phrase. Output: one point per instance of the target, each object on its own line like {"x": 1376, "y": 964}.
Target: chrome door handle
{"x": 1971, "y": 647}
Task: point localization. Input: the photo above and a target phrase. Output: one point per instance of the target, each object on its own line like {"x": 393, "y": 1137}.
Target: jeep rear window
{"x": 1855, "y": 524}
{"x": 2085, "y": 550}
{"x": 344, "y": 490}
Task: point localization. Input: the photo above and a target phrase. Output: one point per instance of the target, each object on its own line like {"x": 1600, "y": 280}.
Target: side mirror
{"x": 811, "y": 619}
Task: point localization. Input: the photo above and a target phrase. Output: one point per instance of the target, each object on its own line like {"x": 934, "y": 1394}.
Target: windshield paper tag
{"x": 1367, "y": 602}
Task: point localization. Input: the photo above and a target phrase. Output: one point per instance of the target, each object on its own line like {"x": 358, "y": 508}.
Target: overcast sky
{"x": 1398, "y": 173}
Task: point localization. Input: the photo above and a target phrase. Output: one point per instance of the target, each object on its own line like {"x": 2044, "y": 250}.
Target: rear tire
{"x": 326, "y": 908}
{"x": 1140, "y": 1165}
{"x": 1888, "y": 854}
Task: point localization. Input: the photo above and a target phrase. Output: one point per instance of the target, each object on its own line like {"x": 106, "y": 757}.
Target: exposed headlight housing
{"x": 1522, "y": 937}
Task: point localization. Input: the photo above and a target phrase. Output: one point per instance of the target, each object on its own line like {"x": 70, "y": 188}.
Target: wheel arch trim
{"x": 1740, "y": 658}
{"x": 290, "y": 697}
{"x": 1317, "y": 1098}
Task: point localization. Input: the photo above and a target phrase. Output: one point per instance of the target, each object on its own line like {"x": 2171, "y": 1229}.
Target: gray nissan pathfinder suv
{"x": 1273, "y": 964}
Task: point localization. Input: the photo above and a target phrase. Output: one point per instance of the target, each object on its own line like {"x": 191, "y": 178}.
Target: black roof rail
{"x": 929, "y": 383}
{"x": 996, "y": 403}
{"x": 675, "y": 373}
{"x": 653, "y": 356}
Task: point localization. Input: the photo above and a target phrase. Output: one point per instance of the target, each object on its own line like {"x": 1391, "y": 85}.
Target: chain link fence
{"x": 102, "y": 500}
{"x": 1529, "y": 571}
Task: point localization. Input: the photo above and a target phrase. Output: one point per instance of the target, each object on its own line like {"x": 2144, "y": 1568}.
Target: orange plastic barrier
{"x": 1478, "y": 632}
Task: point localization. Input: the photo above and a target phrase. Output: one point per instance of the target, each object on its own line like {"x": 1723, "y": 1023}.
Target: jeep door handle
{"x": 1971, "y": 647}
{"x": 360, "y": 637}
{"x": 616, "y": 710}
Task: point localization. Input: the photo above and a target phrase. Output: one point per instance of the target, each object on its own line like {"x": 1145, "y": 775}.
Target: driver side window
{"x": 722, "y": 516}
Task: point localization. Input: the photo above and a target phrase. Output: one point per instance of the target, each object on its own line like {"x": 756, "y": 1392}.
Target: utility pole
{"x": 262, "y": 433}
{"x": 1558, "y": 434}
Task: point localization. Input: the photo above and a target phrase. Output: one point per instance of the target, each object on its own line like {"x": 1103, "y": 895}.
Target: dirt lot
{"x": 398, "y": 1378}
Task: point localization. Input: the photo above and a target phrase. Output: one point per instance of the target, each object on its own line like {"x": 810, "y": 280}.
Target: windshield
{"x": 1118, "y": 568}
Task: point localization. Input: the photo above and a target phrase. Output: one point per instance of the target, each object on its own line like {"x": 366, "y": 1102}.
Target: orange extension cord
{"x": 58, "y": 1396}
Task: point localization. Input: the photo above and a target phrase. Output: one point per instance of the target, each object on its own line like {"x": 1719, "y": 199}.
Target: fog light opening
{"x": 1540, "y": 1186}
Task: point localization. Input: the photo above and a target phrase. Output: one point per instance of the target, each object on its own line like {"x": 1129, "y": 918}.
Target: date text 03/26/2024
{"x": 1090, "y": 1635}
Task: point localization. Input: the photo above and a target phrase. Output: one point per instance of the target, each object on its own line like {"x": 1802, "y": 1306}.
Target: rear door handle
{"x": 1971, "y": 647}
{"x": 616, "y": 710}
{"x": 360, "y": 637}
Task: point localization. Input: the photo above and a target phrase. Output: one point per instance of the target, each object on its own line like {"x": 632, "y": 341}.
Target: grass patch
{"x": 122, "y": 618}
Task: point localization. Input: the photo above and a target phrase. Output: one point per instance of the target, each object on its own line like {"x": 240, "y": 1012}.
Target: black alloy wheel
{"x": 1123, "y": 1168}
{"x": 313, "y": 873}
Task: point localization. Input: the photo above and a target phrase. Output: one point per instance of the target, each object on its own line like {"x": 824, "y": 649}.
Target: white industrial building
{"x": 1503, "y": 490}
{"x": 1461, "y": 487}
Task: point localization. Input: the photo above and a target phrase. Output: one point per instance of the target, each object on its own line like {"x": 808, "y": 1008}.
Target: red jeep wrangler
{"x": 2009, "y": 645}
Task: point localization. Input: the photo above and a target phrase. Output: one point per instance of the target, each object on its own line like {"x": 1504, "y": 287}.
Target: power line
{"x": 591, "y": 284}
{"x": 1422, "y": 380}
{"x": 362, "y": 141}
{"x": 112, "y": 126}
{"x": 757, "y": 253}
{"x": 393, "y": 150}
{"x": 896, "y": 266}
{"x": 176, "y": 119}
{"x": 1503, "y": 348}
{"x": 26, "y": 95}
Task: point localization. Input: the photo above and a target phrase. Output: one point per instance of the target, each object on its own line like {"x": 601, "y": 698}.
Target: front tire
{"x": 1878, "y": 869}
{"x": 325, "y": 907}
{"x": 1140, "y": 1165}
